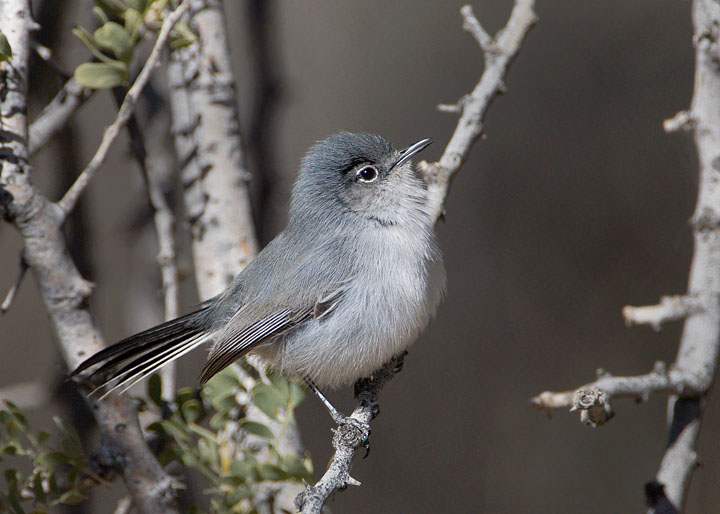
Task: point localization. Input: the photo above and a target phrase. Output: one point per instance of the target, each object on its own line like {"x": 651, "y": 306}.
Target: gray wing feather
{"x": 239, "y": 336}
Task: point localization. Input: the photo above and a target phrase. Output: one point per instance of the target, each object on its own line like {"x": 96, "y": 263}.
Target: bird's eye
{"x": 367, "y": 174}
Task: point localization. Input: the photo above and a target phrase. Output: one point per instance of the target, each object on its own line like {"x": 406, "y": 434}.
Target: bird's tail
{"x": 127, "y": 362}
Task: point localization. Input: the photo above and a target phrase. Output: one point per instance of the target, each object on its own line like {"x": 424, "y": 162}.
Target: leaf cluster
{"x": 56, "y": 475}
{"x": 122, "y": 25}
{"x": 209, "y": 432}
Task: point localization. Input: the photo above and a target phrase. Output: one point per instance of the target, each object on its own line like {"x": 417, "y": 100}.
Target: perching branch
{"x": 63, "y": 290}
{"x": 68, "y": 201}
{"x": 690, "y": 378}
{"x": 56, "y": 114}
{"x": 498, "y": 53}
{"x": 347, "y": 438}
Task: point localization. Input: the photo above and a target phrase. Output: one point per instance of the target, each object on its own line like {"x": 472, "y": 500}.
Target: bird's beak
{"x": 411, "y": 150}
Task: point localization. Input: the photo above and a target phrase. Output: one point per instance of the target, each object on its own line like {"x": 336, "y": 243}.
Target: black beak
{"x": 411, "y": 150}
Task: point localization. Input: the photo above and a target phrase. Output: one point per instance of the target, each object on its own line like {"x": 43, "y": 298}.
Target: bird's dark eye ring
{"x": 367, "y": 174}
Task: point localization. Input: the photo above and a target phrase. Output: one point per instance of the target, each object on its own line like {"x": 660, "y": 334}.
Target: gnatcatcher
{"x": 349, "y": 284}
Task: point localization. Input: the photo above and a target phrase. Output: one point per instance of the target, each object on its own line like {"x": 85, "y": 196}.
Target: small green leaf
{"x": 51, "y": 460}
{"x": 271, "y": 472}
{"x": 219, "y": 419}
{"x": 191, "y": 410}
{"x": 113, "y": 7}
{"x": 99, "y": 75}
{"x": 5, "y": 50}
{"x": 257, "y": 428}
{"x": 133, "y": 22}
{"x": 67, "y": 429}
{"x": 102, "y": 18}
{"x": 269, "y": 398}
{"x": 297, "y": 394}
{"x": 238, "y": 495}
{"x": 113, "y": 37}
{"x": 182, "y": 35}
{"x": 18, "y": 415}
{"x": 71, "y": 497}
{"x": 154, "y": 389}
{"x": 240, "y": 468}
{"x": 72, "y": 449}
{"x": 295, "y": 466}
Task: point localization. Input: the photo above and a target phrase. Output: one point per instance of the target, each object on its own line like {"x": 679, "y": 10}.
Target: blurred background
{"x": 576, "y": 204}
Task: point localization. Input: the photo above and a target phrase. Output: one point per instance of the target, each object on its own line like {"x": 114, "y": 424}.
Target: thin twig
{"x": 68, "y": 201}
{"x": 670, "y": 308}
{"x": 22, "y": 268}
{"x": 498, "y": 54}
{"x": 593, "y": 399}
{"x": 164, "y": 223}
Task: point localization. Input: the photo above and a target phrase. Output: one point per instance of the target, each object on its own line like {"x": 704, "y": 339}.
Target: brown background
{"x": 575, "y": 205}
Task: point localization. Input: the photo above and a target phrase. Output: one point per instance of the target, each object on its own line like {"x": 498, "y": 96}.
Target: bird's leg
{"x": 336, "y": 415}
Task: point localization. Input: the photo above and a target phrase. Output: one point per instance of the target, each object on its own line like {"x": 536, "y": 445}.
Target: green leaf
{"x": 113, "y": 37}
{"x": 5, "y": 50}
{"x": 99, "y": 75}
{"x": 113, "y": 7}
{"x": 67, "y": 429}
{"x": 219, "y": 419}
{"x": 72, "y": 449}
{"x": 271, "y": 472}
{"x": 51, "y": 460}
{"x": 269, "y": 398}
{"x": 240, "y": 468}
{"x": 72, "y": 497}
{"x": 208, "y": 451}
{"x": 182, "y": 35}
{"x": 154, "y": 389}
{"x": 101, "y": 16}
{"x": 238, "y": 495}
{"x": 295, "y": 466}
{"x": 191, "y": 410}
{"x": 140, "y": 5}
{"x": 133, "y": 22}
{"x": 18, "y": 415}
{"x": 257, "y": 428}
{"x": 297, "y": 394}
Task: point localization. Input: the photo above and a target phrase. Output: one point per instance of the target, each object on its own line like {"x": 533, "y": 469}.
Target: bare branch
{"x": 215, "y": 181}
{"x": 700, "y": 342}
{"x": 68, "y": 201}
{"x": 62, "y": 288}
{"x": 348, "y": 437}
{"x": 473, "y": 26}
{"x": 498, "y": 57}
{"x": 56, "y": 114}
{"x": 22, "y": 268}
{"x": 593, "y": 400}
{"x": 670, "y": 308}
{"x": 681, "y": 121}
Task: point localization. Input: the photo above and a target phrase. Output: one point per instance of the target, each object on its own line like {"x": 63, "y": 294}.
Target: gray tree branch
{"x": 63, "y": 290}
{"x": 215, "y": 179}
{"x": 57, "y": 113}
{"x": 499, "y": 53}
{"x": 690, "y": 378}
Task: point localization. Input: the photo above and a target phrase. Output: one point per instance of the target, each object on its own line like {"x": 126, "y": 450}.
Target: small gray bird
{"x": 350, "y": 283}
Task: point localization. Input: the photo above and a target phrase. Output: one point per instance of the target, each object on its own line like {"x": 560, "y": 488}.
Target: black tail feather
{"x": 146, "y": 345}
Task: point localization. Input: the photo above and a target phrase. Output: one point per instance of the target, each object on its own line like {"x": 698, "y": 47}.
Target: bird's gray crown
{"x": 342, "y": 152}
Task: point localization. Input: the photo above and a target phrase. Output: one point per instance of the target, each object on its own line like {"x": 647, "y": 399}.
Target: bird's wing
{"x": 241, "y": 334}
